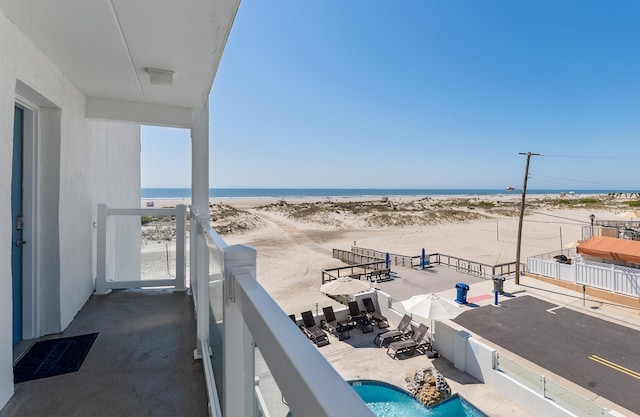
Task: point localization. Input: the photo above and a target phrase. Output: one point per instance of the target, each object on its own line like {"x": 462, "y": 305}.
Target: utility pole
{"x": 524, "y": 194}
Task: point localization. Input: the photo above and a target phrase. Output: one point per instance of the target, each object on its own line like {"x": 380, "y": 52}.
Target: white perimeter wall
{"x": 81, "y": 163}
{"x": 477, "y": 359}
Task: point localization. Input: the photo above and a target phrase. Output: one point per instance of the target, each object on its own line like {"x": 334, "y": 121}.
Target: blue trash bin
{"x": 461, "y": 294}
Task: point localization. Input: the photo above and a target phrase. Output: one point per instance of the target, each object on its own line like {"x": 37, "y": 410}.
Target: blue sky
{"x": 420, "y": 94}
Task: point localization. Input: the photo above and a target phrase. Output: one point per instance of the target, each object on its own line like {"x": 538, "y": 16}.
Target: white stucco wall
{"x": 114, "y": 141}
{"x": 6, "y": 127}
{"x": 106, "y": 169}
{"x": 81, "y": 163}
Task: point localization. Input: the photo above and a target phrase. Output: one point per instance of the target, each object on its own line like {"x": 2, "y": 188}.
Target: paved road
{"x": 596, "y": 354}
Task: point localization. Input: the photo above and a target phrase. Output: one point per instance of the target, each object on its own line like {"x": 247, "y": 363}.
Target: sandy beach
{"x": 294, "y": 238}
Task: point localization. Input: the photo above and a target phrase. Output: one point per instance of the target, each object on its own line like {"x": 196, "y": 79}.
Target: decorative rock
{"x": 428, "y": 386}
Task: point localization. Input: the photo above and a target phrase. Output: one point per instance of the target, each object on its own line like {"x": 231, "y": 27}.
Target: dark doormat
{"x": 53, "y": 357}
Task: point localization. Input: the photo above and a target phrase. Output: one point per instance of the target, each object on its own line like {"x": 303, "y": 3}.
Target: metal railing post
{"x": 101, "y": 250}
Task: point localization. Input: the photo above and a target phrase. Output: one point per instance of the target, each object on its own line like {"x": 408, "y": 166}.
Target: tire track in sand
{"x": 293, "y": 233}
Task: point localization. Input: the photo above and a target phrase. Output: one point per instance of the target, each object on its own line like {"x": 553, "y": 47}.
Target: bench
{"x": 379, "y": 275}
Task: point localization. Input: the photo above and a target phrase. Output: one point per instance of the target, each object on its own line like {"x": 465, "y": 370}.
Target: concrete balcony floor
{"x": 141, "y": 364}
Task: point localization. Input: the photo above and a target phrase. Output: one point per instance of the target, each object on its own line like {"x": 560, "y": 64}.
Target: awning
{"x": 611, "y": 248}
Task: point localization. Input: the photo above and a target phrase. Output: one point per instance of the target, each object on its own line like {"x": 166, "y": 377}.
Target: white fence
{"x": 615, "y": 278}
{"x": 106, "y": 281}
{"x": 610, "y": 277}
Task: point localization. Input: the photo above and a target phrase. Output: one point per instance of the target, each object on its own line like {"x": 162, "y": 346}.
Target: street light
{"x": 592, "y": 217}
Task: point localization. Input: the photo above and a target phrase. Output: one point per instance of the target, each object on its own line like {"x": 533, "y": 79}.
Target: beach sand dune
{"x": 292, "y": 252}
{"x": 295, "y": 238}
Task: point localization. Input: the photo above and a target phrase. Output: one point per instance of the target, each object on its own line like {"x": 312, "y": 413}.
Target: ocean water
{"x": 181, "y": 193}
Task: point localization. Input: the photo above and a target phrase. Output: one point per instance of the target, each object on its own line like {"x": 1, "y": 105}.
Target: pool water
{"x": 386, "y": 400}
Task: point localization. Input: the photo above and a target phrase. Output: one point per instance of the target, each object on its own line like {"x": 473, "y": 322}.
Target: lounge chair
{"x": 331, "y": 324}
{"x": 374, "y": 315}
{"x": 313, "y": 332}
{"x": 394, "y": 334}
{"x": 357, "y": 317}
{"x": 408, "y": 345}
{"x": 354, "y": 312}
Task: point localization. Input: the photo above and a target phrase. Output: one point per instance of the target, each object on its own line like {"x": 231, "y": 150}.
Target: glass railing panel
{"x": 270, "y": 401}
{"x": 158, "y": 246}
{"x": 549, "y": 389}
{"x": 571, "y": 401}
{"x": 216, "y": 303}
{"x": 141, "y": 248}
{"x": 520, "y": 374}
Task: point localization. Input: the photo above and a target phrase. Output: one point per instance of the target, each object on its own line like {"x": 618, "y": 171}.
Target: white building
{"x": 77, "y": 79}
{"x": 75, "y": 85}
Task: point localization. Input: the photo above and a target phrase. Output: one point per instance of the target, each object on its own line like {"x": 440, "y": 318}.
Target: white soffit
{"x": 105, "y": 47}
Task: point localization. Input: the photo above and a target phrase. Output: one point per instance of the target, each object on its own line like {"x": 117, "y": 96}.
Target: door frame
{"x": 30, "y": 170}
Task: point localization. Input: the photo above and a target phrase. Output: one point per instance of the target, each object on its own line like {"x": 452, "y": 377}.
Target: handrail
{"x": 354, "y": 258}
{"x": 311, "y": 385}
{"x": 363, "y": 266}
{"x": 214, "y": 241}
{"x": 482, "y": 270}
{"x": 371, "y": 265}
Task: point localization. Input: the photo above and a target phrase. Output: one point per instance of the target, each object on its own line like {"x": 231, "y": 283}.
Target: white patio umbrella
{"x": 429, "y": 306}
{"x": 344, "y": 286}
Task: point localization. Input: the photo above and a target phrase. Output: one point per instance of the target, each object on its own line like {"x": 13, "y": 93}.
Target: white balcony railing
{"x": 106, "y": 230}
{"x": 234, "y": 307}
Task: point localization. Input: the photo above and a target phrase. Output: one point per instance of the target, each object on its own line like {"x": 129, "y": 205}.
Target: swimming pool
{"x": 386, "y": 400}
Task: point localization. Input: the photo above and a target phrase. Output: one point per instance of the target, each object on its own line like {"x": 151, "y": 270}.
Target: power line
{"x": 599, "y": 157}
{"x": 582, "y": 181}
{"x": 560, "y": 217}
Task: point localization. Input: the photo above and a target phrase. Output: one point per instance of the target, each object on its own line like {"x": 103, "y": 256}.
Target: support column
{"x": 200, "y": 208}
{"x": 238, "y": 346}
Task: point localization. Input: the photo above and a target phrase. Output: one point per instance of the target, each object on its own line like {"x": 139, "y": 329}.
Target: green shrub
{"x": 146, "y": 219}
{"x": 588, "y": 201}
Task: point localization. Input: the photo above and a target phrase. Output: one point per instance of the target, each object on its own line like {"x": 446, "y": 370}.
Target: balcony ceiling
{"x": 105, "y": 46}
